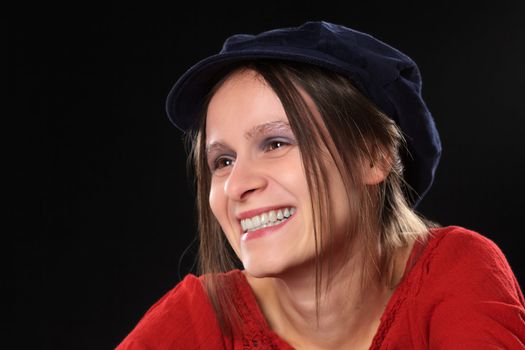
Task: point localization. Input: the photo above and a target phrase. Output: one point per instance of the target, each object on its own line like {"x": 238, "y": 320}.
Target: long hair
{"x": 356, "y": 134}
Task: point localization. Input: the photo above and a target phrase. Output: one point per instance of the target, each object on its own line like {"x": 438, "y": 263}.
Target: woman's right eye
{"x": 221, "y": 162}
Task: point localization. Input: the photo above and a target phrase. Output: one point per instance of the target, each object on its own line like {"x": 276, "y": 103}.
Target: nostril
{"x": 243, "y": 179}
{"x": 250, "y": 191}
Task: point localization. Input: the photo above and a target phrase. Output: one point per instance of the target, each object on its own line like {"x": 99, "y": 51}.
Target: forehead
{"x": 243, "y": 101}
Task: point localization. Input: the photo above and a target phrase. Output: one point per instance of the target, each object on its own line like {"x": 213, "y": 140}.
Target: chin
{"x": 264, "y": 268}
{"x": 277, "y": 268}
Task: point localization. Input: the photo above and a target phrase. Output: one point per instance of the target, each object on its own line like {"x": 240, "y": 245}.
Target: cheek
{"x": 291, "y": 173}
{"x": 213, "y": 200}
{"x": 339, "y": 201}
{"x": 218, "y": 205}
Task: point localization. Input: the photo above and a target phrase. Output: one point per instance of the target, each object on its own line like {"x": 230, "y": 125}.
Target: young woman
{"x": 312, "y": 147}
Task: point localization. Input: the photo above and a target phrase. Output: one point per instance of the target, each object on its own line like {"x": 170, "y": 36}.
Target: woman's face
{"x": 257, "y": 174}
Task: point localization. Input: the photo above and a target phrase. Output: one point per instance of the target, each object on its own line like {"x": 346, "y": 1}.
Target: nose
{"x": 245, "y": 177}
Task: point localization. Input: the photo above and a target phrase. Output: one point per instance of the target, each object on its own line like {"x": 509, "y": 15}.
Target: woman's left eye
{"x": 274, "y": 144}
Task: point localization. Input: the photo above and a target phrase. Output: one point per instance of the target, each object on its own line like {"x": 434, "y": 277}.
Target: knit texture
{"x": 458, "y": 292}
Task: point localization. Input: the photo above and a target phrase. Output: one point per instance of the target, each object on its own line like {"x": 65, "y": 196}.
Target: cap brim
{"x": 186, "y": 98}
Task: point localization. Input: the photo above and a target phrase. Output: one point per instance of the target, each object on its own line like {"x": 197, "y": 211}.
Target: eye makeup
{"x": 269, "y": 133}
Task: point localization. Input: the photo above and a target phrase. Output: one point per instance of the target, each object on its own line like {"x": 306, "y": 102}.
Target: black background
{"x": 103, "y": 209}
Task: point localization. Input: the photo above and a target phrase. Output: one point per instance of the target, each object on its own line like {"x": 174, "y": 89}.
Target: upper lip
{"x": 251, "y": 213}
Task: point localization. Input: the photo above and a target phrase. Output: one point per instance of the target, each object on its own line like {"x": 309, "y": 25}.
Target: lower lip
{"x": 265, "y": 231}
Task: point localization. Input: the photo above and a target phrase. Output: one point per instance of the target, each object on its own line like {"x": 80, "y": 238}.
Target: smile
{"x": 268, "y": 219}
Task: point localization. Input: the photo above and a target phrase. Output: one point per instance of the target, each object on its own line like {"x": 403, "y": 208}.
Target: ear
{"x": 376, "y": 172}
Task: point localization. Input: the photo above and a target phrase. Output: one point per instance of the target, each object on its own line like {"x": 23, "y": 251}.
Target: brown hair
{"x": 358, "y": 135}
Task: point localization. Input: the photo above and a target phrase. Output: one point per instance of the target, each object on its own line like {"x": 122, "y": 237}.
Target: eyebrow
{"x": 278, "y": 125}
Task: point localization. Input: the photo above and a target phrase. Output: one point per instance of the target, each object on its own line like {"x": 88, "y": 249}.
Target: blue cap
{"x": 389, "y": 78}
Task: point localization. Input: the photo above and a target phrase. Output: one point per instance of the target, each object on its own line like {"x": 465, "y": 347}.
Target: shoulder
{"x": 456, "y": 252}
{"x": 457, "y": 236}
{"x": 467, "y": 292}
{"x": 187, "y": 296}
{"x": 181, "y": 319}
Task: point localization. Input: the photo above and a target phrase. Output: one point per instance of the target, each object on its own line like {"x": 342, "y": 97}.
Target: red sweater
{"x": 459, "y": 294}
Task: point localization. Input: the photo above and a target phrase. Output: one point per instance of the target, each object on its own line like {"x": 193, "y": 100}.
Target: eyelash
{"x": 270, "y": 142}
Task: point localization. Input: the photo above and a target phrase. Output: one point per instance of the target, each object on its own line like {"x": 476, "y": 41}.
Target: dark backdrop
{"x": 103, "y": 209}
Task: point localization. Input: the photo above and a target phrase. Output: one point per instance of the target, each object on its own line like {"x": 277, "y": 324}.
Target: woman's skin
{"x": 256, "y": 163}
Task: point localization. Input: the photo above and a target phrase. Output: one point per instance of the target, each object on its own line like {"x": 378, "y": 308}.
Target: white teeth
{"x": 270, "y": 218}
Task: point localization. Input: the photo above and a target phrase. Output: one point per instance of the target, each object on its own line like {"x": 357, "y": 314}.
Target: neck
{"x": 348, "y": 313}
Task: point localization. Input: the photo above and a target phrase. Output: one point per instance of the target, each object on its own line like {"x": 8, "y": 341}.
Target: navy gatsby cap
{"x": 389, "y": 78}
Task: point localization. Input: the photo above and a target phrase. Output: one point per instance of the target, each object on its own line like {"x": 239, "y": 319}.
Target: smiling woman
{"x": 260, "y": 181}
{"x": 312, "y": 148}
{"x": 343, "y": 220}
